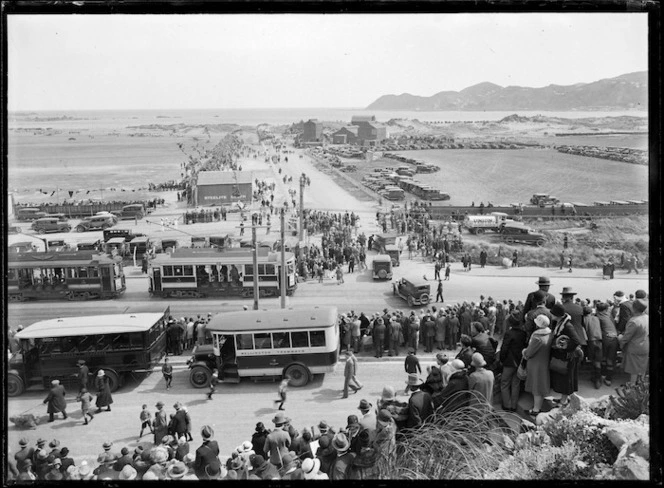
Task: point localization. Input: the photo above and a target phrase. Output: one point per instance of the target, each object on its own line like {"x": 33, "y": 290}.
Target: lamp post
{"x": 283, "y": 258}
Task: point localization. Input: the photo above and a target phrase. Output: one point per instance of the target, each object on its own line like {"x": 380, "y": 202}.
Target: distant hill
{"x": 628, "y": 91}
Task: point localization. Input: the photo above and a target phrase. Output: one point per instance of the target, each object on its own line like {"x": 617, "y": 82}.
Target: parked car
{"x": 134, "y": 211}
{"x": 98, "y": 222}
{"x": 105, "y": 213}
{"x": 48, "y": 224}
{"x": 414, "y": 292}
{"x": 382, "y": 267}
{"x": 30, "y": 213}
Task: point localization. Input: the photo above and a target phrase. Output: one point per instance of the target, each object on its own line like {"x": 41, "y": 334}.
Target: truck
{"x": 543, "y": 199}
{"x": 478, "y": 224}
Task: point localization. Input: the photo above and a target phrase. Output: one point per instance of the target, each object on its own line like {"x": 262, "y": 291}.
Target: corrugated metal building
{"x": 369, "y": 133}
{"x": 313, "y": 131}
{"x": 345, "y": 135}
{"x": 223, "y": 187}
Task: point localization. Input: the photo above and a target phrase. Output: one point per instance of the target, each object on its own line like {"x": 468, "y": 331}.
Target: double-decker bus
{"x": 74, "y": 275}
{"x": 119, "y": 344}
{"x": 297, "y": 343}
{"x": 210, "y": 272}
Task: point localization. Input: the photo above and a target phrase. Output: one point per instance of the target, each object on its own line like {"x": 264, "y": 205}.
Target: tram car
{"x": 72, "y": 275}
{"x": 212, "y": 272}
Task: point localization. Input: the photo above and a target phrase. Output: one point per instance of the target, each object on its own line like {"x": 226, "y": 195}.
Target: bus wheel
{"x": 113, "y": 379}
{"x": 200, "y": 376}
{"x": 298, "y": 374}
{"x": 15, "y": 385}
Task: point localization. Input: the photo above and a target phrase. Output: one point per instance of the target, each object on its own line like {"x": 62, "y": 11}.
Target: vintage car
{"x": 381, "y": 268}
{"x": 134, "y": 211}
{"x": 414, "y": 292}
{"x": 49, "y": 224}
{"x": 98, "y": 222}
{"x": 516, "y": 232}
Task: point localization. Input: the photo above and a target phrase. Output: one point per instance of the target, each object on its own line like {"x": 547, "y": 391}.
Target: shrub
{"x": 545, "y": 462}
{"x": 585, "y": 430}
{"x": 632, "y": 400}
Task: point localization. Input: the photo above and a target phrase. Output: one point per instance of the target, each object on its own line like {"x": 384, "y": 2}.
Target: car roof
{"x": 116, "y": 240}
{"x": 382, "y": 257}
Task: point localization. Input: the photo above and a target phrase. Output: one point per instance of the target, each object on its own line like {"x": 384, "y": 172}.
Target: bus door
{"x": 106, "y": 284}
{"x": 156, "y": 279}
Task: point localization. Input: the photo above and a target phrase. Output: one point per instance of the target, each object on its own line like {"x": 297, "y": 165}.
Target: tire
{"x": 479, "y": 231}
{"x": 410, "y": 301}
{"x": 200, "y": 376}
{"x": 299, "y": 375}
{"x": 509, "y": 240}
{"x": 80, "y": 229}
{"x": 424, "y": 299}
{"x": 41, "y": 231}
{"x": 382, "y": 274}
{"x": 15, "y": 385}
{"x": 539, "y": 243}
{"x": 113, "y": 379}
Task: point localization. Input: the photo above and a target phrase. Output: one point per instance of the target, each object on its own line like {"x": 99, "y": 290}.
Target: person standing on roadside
{"x": 160, "y": 423}
{"x": 439, "y": 291}
{"x": 83, "y": 375}
{"x": 350, "y": 380}
{"x": 411, "y": 366}
{"x": 167, "y": 371}
{"x": 379, "y": 337}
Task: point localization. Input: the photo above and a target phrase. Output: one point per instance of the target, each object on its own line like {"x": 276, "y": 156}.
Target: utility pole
{"x": 303, "y": 180}
{"x": 283, "y": 258}
{"x": 255, "y": 255}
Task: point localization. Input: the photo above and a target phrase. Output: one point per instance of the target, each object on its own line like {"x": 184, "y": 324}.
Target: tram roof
{"x": 253, "y": 320}
{"x": 60, "y": 258}
{"x": 92, "y": 324}
{"x": 211, "y": 256}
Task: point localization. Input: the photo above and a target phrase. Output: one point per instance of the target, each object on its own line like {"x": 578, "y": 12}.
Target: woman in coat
{"x": 510, "y": 357}
{"x": 104, "y": 398}
{"x": 537, "y": 354}
{"x": 635, "y": 342}
{"x": 455, "y": 395}
{"x": 566, "y": 347}
{"x": 466, "y": 352}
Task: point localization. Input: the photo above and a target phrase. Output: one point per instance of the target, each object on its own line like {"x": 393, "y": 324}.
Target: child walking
{"x": 145, "y": 417}
{"x": 167, "y": 371}
{"x": 213, "y": 386}
{"x": 282, "y": 393}
{"x": 85, "y": 397}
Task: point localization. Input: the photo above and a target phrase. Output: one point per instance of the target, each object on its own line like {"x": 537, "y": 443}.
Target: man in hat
{"x": 481, "y": 380}
{"x": 340, "y": 468}
{"x": 635, "y": 342}
{"x": 395, "y": 336}
{"x": 160, "y": 423}
{"x": 575, "y": 311}
{"x": 420, "y": 405}
{"x": 167, "y": 372}
{"x": 311, "y": 470}
{"x": 179, "y": 421}
{"x": 207, "y": 455}
{"x": 540, "y": 308}
{"x": 55, "y": 448}
{"x": 622, "y": 310}
{"x": 350, "y": 371}
{"x": 368, "y": 420}
{"x": 544, "y": 283}
{"x": 56, "y": 400}
{"x": 263, "y": 469}
{"x": 642, "y": 295}
{"x": 83, "y": 375}
{"x": 278, "y": 441}
{"x": 412, "y": 365}
{"x": 379, "y": 331}
{"x": 24, "y": 454}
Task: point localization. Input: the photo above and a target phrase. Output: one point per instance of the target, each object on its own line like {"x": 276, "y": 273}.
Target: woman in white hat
{"x": 311, "y": 470}
{"x": 481, "y": 380}
{"x": 104, "y": 397}
{"x": 537, "y": 354}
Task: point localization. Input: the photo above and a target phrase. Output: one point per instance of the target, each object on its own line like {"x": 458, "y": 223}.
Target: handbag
{"x": 559, "y": 366}
{"x": 521, "y": 371}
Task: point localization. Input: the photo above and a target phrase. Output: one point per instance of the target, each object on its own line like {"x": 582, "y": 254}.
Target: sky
{"x": 79, "y": 62}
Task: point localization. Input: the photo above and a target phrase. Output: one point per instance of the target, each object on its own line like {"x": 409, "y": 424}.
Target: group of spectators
{"x": 205, "y": 215}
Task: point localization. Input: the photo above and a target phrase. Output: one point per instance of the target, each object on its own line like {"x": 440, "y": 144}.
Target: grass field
{"x": 506, "y": 176}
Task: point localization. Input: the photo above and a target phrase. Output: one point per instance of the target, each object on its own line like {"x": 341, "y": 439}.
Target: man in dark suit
{"x": 179, "y": 421}
{"x": 549, "y": 299}
{"x": 625, "y": 310}
{"x": 83, "y": 375}
{"x": 575, "y": 311}
{"x": 207, "y": 455}
{"x": 56, "y": 400}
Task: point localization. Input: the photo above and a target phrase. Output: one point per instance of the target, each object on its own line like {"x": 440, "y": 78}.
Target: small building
{"x": 223, "y": 187}
{"x": 345, "y": 135}
{"x": 313, "y": 131}
{"x": 370, "y": 133}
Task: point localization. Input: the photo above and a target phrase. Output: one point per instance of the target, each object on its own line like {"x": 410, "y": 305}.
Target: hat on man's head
{"x": 108, "y": 445}
{"x": 477, "y": 360}
{"x": 365, "y": 438}
{"x": 364, "y": 405}
{"x": 587, "y": 310}
{"x": 207, "y": 431}
{"x": 619, "y": 293}
{"x": 150, "y": 476}
{"x": 159, "y": 404}
{"x": 513, "y": 319}
{"x": 543, "y": 281}
{"x": 640, "y": 305}
{"x": 414, "y": 380}
{"x": 159, "y": 454}
{"x": 80, "y": 362}
{"x": 640, "y": 294}
{"x": 353, "y": 421}
{"x": 55, "y": 382}
{"x": 256, "y": 460}
{"x": 323, "y": 426}
{"x": 139, "y": 450}
{"x": 340, "y": 442}
{"x": 238, "y": 464}
{"x": 23, "y": 442}
{"x": 41, "y": 442}
{"x": 260, "y": 427}
{"x": 567, "y": 290}
{"x": 280, "y": 419}
{"x": 384, "y": 416}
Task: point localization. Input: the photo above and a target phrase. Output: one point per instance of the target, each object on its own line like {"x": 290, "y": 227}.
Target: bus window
{"x": 248, "y": 272}
{"x": 49, "y": 346}
{"x": 300, "y": 339}
{"x": 85, "y": 343}
{"x": 121, "y": 341}
{"x": 244, "y": 341}
{"x": 69, "y": 344}
{"x": 168, "y": 271}
{"x": 263, "y": 340}
{"x": 82, "y": 272}
{"x": 281, "y": 340}
{"x": 177, "y": 270}
{"x": 93, "y": 273}
{"x": 188, "y": 270}
{"x": 136, "y": 339}
{"x": 317, "y": 338}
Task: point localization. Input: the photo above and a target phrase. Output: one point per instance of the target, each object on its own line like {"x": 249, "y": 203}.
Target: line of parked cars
{"x": 44, "y": 223}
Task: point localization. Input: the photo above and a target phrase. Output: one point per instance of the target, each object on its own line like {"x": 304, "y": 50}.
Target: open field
{"x": 506, "y": 176}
